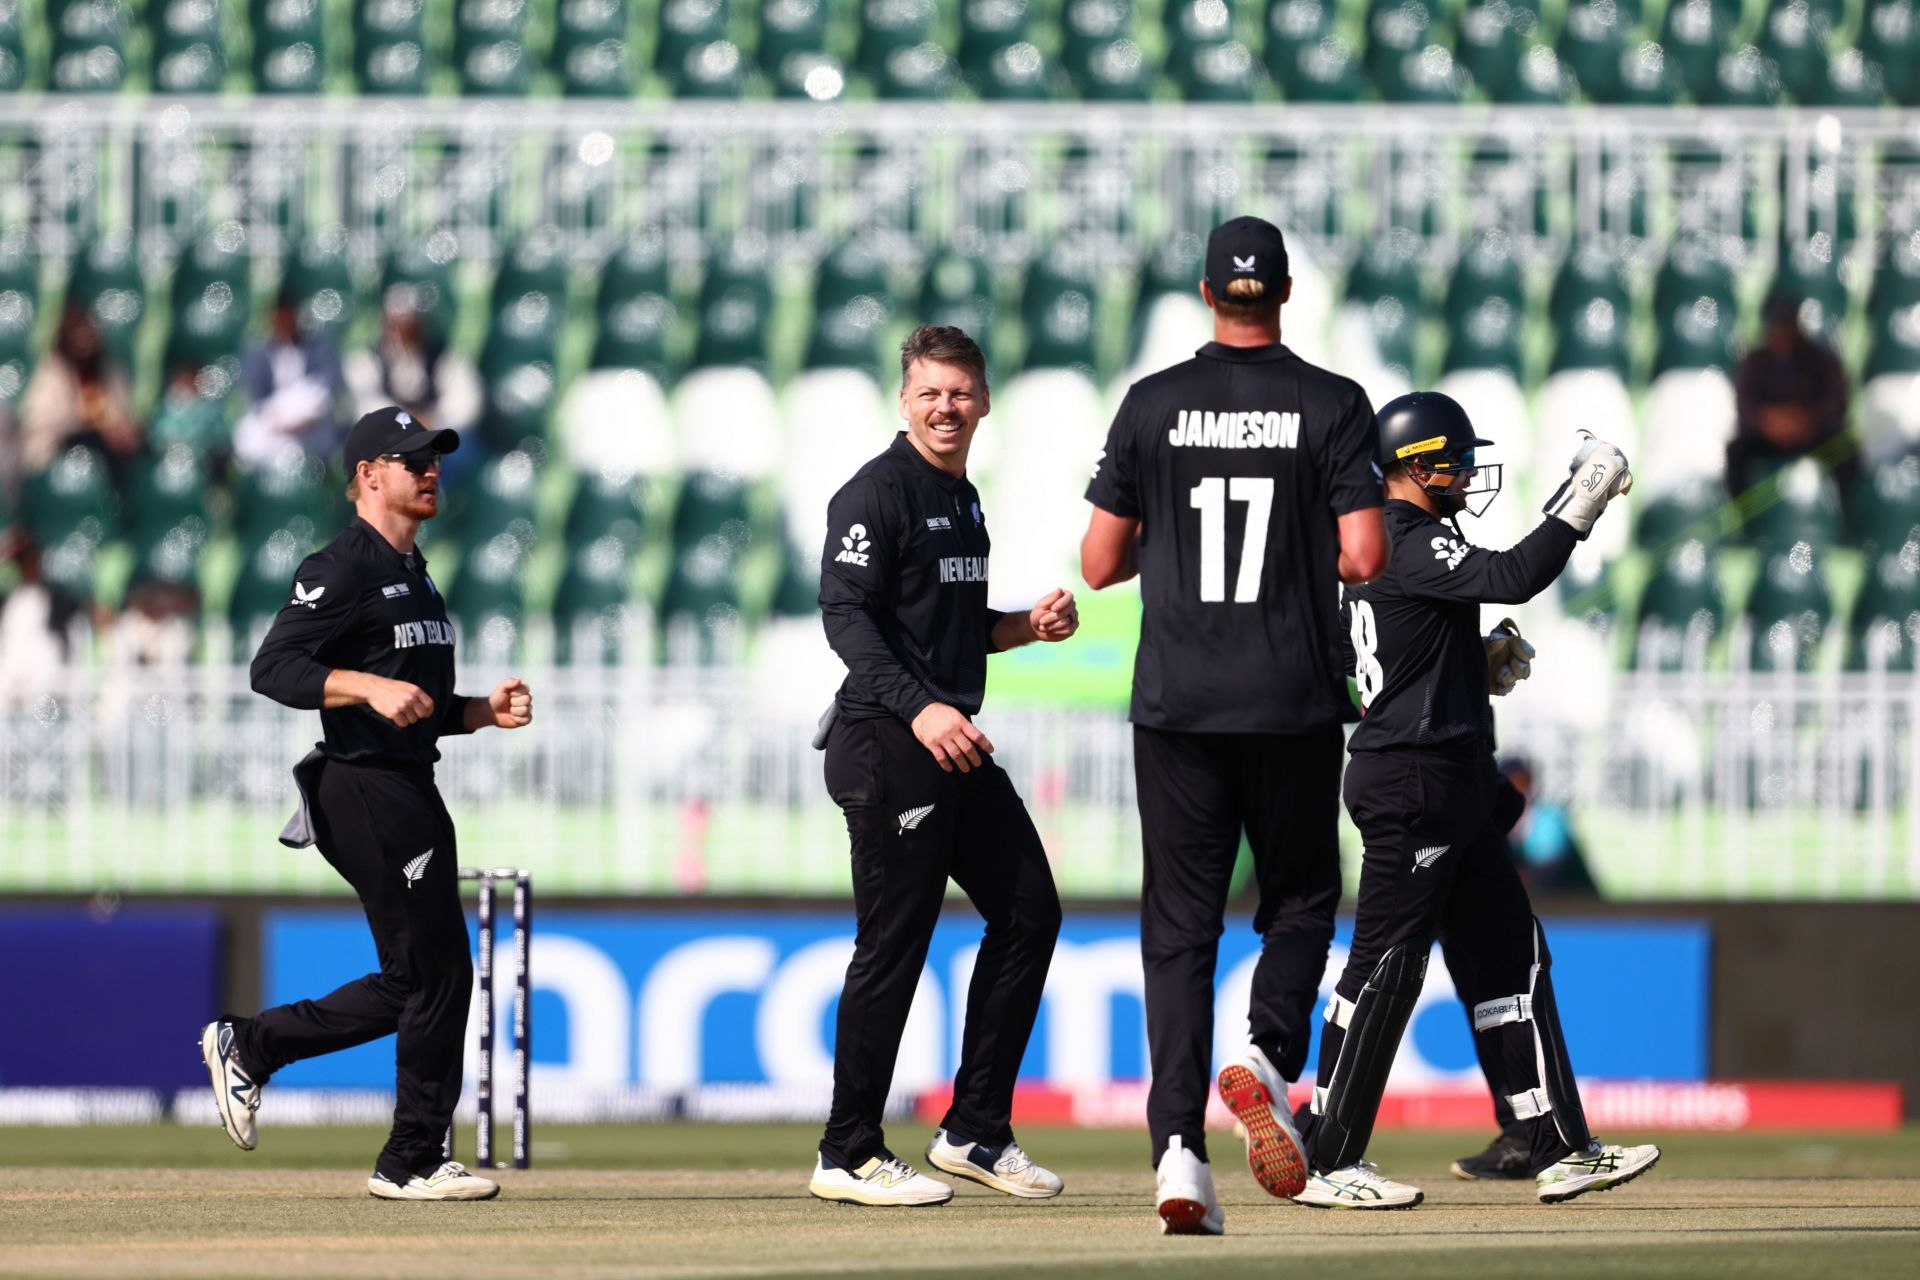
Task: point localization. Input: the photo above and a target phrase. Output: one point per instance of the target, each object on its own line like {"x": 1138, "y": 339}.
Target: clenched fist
{"x": 512, "y": 704}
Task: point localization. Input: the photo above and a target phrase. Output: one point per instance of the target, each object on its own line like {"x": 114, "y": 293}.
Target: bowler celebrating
{"x": 903, "y": 587}
{"x": 365, "y": 640}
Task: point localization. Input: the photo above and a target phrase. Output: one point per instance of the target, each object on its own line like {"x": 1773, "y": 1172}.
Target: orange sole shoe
{"x": 1273, "y": 1153}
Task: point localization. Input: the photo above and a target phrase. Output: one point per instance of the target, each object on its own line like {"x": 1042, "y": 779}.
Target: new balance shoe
{"x": 883, "y": 1181}
{"x": 1007, "y": 1169}
{"x": 1508, "y": 1158}
{"x": 450, "y": 1181}
{"x": 1184, "y": 1189}
{"x": 1598, "y": 1168}
{"x": 1257, "y": 1096}
{"x": 1358, "y": 1186}
{"x": 234, "y": 1091}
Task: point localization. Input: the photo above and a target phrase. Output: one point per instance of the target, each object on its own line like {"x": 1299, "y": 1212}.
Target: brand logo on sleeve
{"x": 939, "y": 522}
{"x": 311, "y": 599}
{"x": 394, "y": 590}
{"x": 1451, "y": 550}
{"x": 1255, "y": 429}
{"x": 854, "y": 547}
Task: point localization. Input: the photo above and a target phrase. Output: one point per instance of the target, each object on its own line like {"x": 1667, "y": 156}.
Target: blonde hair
{"x": 1245, "y": 299}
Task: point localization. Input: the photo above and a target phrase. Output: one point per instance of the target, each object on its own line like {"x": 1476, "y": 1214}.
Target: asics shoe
{"x": 1007, "y": 1169}
{"x": 1507, "y": 1158}
{"x": 1598, "y": 1168}
{"x": 883, "y": 1181}
{"x": 1184, "y": 1188}
{"x": 1257, "y": 1096}
{"x": 234, "y": 1091}
{"x": 450, "y": 1181}
{"x": 1358, "y": 1186}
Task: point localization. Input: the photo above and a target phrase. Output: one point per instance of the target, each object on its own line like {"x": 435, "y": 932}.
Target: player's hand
{"x": 512, "y": 704}
{"x": 1055, "y": 617}
{"x": 398, "y": 701}
{"x": 1509, "y": 658}
{"x": 1598, "y": 474}
{"x": 952, "y": 738}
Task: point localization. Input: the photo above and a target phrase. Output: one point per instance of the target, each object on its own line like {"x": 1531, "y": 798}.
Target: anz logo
{"x": 854, "y": 547}
{"x": 1452, "y": 550}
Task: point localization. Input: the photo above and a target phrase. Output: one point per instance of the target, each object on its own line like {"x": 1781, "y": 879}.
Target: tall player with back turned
{"x": 1241, "y": 487}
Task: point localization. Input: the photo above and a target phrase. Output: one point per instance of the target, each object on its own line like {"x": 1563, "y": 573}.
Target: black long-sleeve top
{"x": 359, "y": 604}
{"x": 1412, "y": 638}
{"x": 903, "y": 588}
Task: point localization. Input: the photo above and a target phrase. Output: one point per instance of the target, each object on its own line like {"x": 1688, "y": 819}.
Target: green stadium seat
{"x": 1893, "y": 347}
{"x": 1789, "y": 611}
{"x": 1542, "y": 79}
{"x": 390, "y": 47}
{"x": 1117, "y": 71}
{"x": 105, "y": 278}
{"x": 853, "y": 301}
{"x": 289, "y": 46}
{"x": 700, "y": 608}
{"x": 796, "y": 593}
{"x": 1695, "y": 34}
{"x": 987, "y": 27}
{"x": 1896, "y": 276}
{"x": 320, "y": 282}
{"x": 891, "y": 27}
{"x": 1489, "y": 269}
{"x": 1886, "y": 504}
{"x": 13, "y": 48}
{"x": 1059, "y": 306}
{"x": 499, "y": 498}
{"x": 1831, "y": 208}
{"x": 735, "y": 303}
{"x": 188, "y": 51}
{"x": 1014, "y": 72}
{"x": 19, "y": 297}
{"x": 684, "y": 26}
{"x": 1087, "y": 28}
{"x": 73, "y": 494}
{"x": 1386, "y": 282}
{"x": 793, "y": 50}
{"x": 637, "y": 310}
{"x": 1646, "y": 77}
{"x": 166, "y": 493}
{"x": 957, "y": 289}
{"x": 1224, "y": 72}
{"x": 1694, "y": 510}
{"x": 1849, "y": 78}
{"x": 591, "y": 50}
{"x": 1794, "y": 37}
{"x": 608, "y": 504}
{"x": 1883, "y": 629}
{"x": 1694, "y": 309}
{"x": 1809, "y": 270}
{"x": 86, "y": 44}
{"x": 716, "y": 69}
{"x": 1326, "y": 71}
{"x": 1404, "y": 58}
{"x": 263, "y": 586}
{"x": 211, "y": 298}
{"x": 1488, "y": 41}
{"x": 1591, "y": 270}
{"x": 1591, "y": 44}
{"x": 290, "y": 492}
{"x": 922, "y": 71}
{"x": 1196, "y": 24}
{"x": 1747, "y": 77}
{"x": 489, "y": 47}
{"x": 1791, "y": 504}
{"x": 488, "y": 604}
{"x": 1681, "y": 610}
{"x": 423, "y": 268}
{"x": 593, "y": 610}
{"x": 1890, "y": 36}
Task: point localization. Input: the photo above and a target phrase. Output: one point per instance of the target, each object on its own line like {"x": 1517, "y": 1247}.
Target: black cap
{"x": 1246, "y": 249}
{"x": 394, "y": 430}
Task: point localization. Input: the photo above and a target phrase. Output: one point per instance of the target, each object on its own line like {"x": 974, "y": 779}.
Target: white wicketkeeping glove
{"x": 1509, "y": 658}
{"x": 1598, "y": 474}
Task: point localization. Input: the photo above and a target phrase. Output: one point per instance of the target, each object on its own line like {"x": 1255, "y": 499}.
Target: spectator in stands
{"x": 185, "y": 416}
{"x": 412, "y": 366}
{"x": 1791, "y": 398}
{"x": 78, "y": 395}
{"x": 291, "y": 381}
{"x": 33, "y": 625}
{"x": 1542, "y": 841}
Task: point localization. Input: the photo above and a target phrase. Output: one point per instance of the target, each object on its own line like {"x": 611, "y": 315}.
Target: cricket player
{"x": 903, "y": 587}
{"x": 1424, "y": 791}
{"x": 1241, "y": 487}
{"x": 365, "y": 640}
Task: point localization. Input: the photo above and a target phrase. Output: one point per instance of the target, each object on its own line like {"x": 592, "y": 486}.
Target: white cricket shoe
{"x": 1257, "y": 1096}
{"x": 1597, "y": 1168}
{"x": 1009, "y": 1169}
{"x": 234, "y": 1091}
{"x": 883, "y": 1183}
{"x": 1184, "y": 1188}
{"x": 450, "y": 1181}
{"x": 1358, "y": 1186}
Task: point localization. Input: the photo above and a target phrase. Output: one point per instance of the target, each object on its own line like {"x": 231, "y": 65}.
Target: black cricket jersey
{"x": 358, "y": 604}
{"x": 903, "y": 588}
{"x": 1238, "y": 464}
{"x": 1412, "y": 638}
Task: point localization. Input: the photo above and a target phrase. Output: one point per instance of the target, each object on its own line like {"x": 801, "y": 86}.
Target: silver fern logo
{"x": 417, "y": 868}
{"x": 914, "y": 817}
{"x": 1428, "y": 856}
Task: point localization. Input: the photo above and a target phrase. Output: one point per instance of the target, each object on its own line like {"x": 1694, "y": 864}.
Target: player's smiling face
{"x": 943, "y": 404}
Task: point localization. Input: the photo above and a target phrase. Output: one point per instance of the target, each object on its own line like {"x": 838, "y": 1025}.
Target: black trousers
{"x": 1197, "y": 791}
{"x": 912, "y": 826}
{"x": 1409, "y": 804}
{"x": 374, "y": 825}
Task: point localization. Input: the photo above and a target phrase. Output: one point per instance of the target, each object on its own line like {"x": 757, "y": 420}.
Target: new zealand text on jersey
{"x": 1205, "y": 429}
{"x": 406, "y": 635}
{"x": 963, "y": 568}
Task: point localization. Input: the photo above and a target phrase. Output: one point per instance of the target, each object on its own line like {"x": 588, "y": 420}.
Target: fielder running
{"x": 1423, "y": 790}
{"x": 365, "y": 640}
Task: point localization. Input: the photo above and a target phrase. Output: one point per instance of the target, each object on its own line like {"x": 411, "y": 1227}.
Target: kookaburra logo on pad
{"x": 854, "y": 547}
{"x": 311, "y": 599}
{"x": 1243, "y": 264}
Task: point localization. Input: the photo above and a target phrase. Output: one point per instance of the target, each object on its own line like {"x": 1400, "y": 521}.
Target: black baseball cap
{"x": 394, "y": 430}
{"x": 1246, "y": 249}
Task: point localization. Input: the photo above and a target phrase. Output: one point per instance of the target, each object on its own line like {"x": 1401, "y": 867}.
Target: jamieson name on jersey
{"x": 1205, "y": 429}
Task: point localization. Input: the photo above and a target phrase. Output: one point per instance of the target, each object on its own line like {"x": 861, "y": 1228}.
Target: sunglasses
{"x": 419, "y": 464}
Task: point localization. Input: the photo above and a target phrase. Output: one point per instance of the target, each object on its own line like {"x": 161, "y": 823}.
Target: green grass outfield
{"x": 713, "y": 1201}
